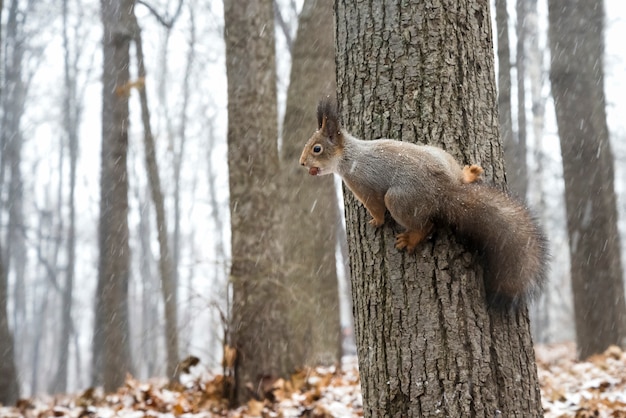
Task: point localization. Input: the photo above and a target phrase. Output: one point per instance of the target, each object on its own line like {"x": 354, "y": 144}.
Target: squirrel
{"x": 422, "y": 186}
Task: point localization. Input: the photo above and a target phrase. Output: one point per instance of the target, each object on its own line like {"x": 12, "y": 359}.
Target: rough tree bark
{"x": 577, "y": 77}
{"x": 259, "y": 324}
{"x": 427, "y": 344}
{"x": 111, "y": 344}
{"x": 310, "y": 207}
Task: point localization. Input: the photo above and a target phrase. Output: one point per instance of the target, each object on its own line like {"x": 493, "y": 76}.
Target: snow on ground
{"x": 592, "y": 388}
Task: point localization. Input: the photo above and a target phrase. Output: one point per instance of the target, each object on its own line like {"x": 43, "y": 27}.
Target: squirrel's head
{"x": 323, "y": 150}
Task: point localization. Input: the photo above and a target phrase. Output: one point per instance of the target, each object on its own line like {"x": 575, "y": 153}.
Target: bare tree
{"x": 72, "y": 110}
{"x": 511, "y": 150}
{"x": 423, "y": 71}
{"x": 9, "y": 385}
{"x": 576, "y": 30}
{"x": 259, "y": 326}
{"x": 111, "y": 347}
{"x": 150, "y": 284}
{"x": 14, "y": 96}
{"x": 168, "y": 286}
{"x": 310, "y": 207}
{"x": 519, "y": 180}
{"x": 541, "y": 310}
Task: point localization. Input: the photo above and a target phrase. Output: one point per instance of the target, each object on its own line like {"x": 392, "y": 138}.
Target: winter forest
{"x": 164, "y": 253}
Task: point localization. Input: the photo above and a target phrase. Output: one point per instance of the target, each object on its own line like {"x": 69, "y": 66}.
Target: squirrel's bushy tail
{"x": 512, "y": 245}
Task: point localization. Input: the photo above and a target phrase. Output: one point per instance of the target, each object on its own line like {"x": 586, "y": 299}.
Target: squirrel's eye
{"x": 317, "y": 149}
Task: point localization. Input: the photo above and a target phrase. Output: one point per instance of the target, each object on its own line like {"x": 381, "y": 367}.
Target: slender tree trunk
{"x": 427, "y": 344}
{"x": 543, "y": 308}
{"x": 519, "y": 182}
{"x": 111, "y": 344}
{"x": 13, "y": 105}
{"x": 259, "y": 324}
{"x": 511, "y": 150}
{"x": 9, "y": 385}
{"x": 165, "y": 257}
{"x": 310, "y": 207}
{"x": 576, "y": 30}
{"x": 70, "y": 124}
{"x": 150, "y": 290}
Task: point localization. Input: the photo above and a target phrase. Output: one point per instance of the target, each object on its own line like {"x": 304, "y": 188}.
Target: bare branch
{"x": 278, "y": 16}
{"x": 166, "y": 21}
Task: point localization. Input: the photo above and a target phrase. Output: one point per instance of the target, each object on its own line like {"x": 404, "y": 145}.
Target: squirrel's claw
{"x": 409, "y": 240}
{"x": 402, "y": 242}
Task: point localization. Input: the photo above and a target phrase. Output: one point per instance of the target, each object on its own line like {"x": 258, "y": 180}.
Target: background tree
{"x": 511, "y": 150}
{"x": 259, "y": 322}
{"x": 418, "y": 315}
{"x": 9, "y": 385}
{"x": 542, "y": 309}
{"x": 13, "y": 103}
{"x": 310, "y": 207}
{"x": 577, "y": 78}
{"x": 72, "y": 112}
{"x": 519, "y": 177}
{"x": 111, "y": 342}
{"x": 166, "y": 267}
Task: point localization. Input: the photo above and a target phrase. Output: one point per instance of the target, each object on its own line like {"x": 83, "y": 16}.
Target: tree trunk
{"x": 13, "y": 109}
{"x": 310, "y": 207}
{"x": 259, "y": 331}
{"x": 168, "y": 284}
{"x": 150, "y": 284}
{"x": 9, "y": 386}
{"x": 111, "y": 344}
{"x": 519, "y": 178}
{"x": 71, "y": 116}
{"x": 577, "y": 77}
{"x": 511, "y": 150}
{"x": 427, "y": 344}
{"x": 543, "y": 309}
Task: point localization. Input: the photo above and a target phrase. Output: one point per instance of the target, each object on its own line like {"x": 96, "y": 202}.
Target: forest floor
{"x": 592, "y": 388}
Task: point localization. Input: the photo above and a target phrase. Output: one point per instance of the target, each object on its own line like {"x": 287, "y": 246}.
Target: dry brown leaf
{"x": 299, "y": 379}
{"x": 230, "y": 355}
{"x": 255, "y": 407}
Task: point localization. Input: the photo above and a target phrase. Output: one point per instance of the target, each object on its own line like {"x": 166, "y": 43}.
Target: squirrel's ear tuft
{"x": 327, "y": 118}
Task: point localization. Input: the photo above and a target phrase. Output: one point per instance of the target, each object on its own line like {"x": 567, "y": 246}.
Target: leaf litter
{"x": 595, "y": 387}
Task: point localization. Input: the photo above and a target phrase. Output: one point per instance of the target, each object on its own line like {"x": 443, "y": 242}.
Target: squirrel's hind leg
{"x": 415, "y": 217}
